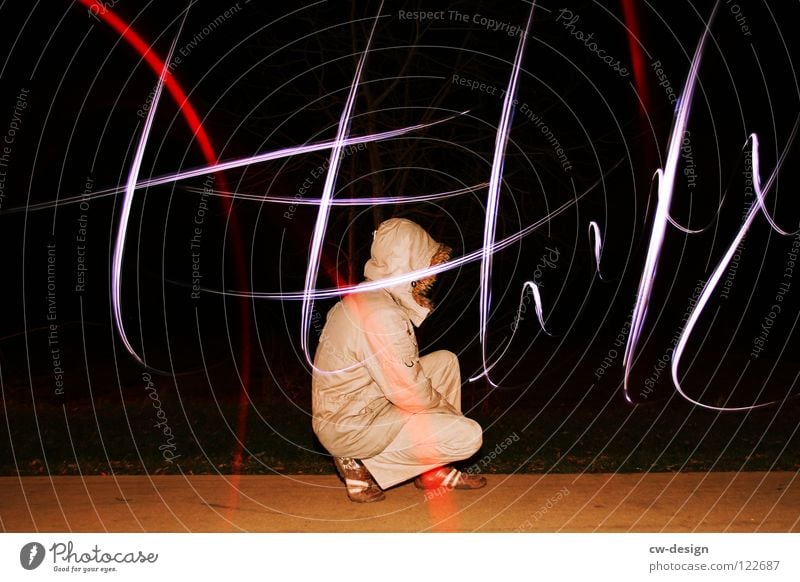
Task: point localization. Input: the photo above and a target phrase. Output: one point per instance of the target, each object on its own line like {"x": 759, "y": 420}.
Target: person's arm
{"x": 393, "y": 362}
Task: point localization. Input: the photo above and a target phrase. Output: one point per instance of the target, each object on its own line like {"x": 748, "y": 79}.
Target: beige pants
{"x": 429, "y": 440}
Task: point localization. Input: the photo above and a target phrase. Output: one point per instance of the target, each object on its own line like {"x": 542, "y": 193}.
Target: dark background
{"x": 269, "y": 77}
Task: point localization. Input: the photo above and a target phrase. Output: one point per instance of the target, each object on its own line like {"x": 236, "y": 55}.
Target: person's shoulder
{"x": 367, "y": 305}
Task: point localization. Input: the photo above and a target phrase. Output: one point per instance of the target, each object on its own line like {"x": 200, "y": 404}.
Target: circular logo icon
{"x": 31, "y": 555}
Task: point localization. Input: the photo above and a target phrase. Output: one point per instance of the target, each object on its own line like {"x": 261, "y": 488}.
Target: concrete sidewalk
{"x": 654, "y": 502}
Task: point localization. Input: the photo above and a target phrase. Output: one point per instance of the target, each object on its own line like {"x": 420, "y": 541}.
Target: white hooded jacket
{"x": 367, "y": 380}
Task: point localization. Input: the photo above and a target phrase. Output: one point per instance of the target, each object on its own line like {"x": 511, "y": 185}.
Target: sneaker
{"x": 361, "y": 487}
{"x": 449, "y": 478}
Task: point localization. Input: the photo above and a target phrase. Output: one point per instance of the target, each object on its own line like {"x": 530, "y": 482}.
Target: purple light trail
{"x": 495, "y": 181}
{"x": 666, "y": 181}
{"x": 315, "y": 254}
{"x": 127, "y": 202}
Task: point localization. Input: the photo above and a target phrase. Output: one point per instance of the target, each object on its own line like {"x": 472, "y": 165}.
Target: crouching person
{"x": 385, "y": 413}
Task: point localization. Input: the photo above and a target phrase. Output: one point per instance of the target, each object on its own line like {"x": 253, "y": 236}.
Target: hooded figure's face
{"x": 421, "y": 288}
{"x": 401, "y": 246}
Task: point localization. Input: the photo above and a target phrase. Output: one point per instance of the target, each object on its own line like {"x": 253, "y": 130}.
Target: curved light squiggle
{"x": 370, "y": 201}
{"x": 538, "y": 309}
{"x": 666, "y": 182}
{"x": 597, "y": 247}
{"x": 720, "y": 270}
{"x": 414, "y": 275}
{"x": 127, "y": 202}
{"x": 229, "y": 165}
{"x": 492, "y": 202}
{"x": 315, "y": 255}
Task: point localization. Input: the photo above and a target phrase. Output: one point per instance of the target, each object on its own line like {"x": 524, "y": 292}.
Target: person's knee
{"x": 450, "y": 360}
{"x": 469, "y": 441}
{"x": 476, "y": 437}
{"x": 450, "y": 371}
{"x": 450, "y": 356}
{"x": 440, "y": 359}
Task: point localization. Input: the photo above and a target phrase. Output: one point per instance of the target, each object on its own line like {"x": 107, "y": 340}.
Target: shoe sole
{"x": 373, "y": 499}
{"x": 460, "y": 488}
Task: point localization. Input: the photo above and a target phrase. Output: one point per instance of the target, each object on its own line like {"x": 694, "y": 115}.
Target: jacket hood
{"x": 400, "y": 246}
